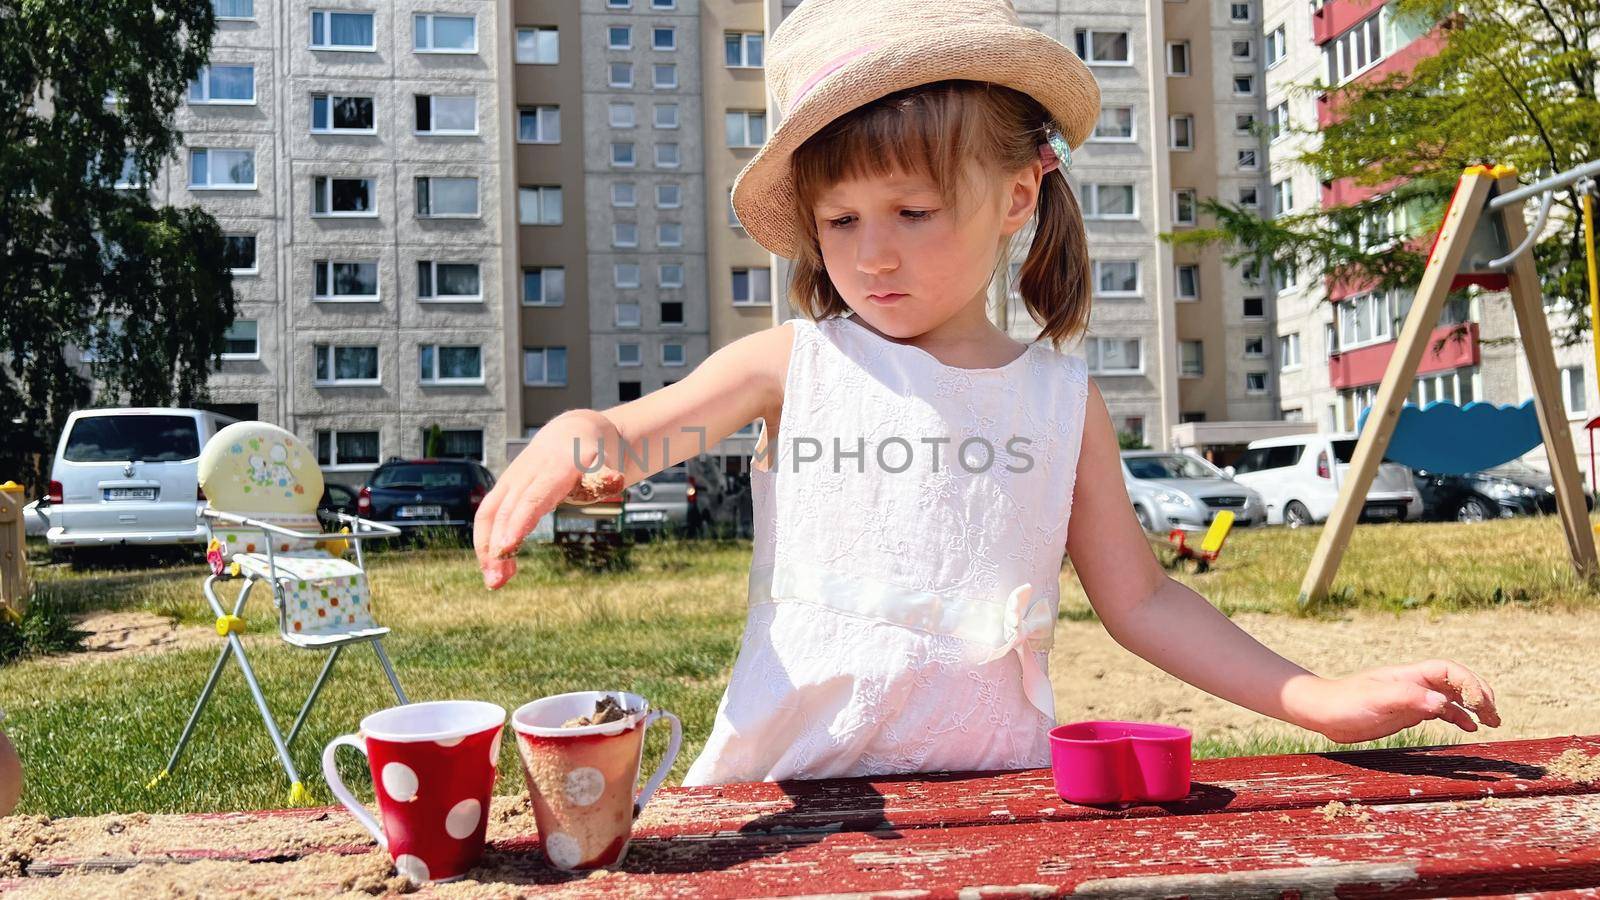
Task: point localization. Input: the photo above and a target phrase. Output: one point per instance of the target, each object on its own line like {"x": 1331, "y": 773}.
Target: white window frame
{"x": 544, "y": 286}
{"x": 1088, "y": 45}
{"x": 539, "y": 192}
{"x": 1574, "y": 398}
{"x": 638, "y": 355}
{"x": 655, "y": 76}
{"x": 326, "y": 266}
{"x": 675, "y": 186}
{"x": 632, "y": 160}
{"x": 1172, "y": 131}
{"x": 1244, "y": 124}
{"x": 1275, "y": 46}
{"x": 433, "y": 380}
{"x": 631, "y": 120}
{"x": 333, "y": 129}
{"x": 744, "y": 40}
{"x": 661, "y": 234}
{"x": 750, "y": 279}
{"x": 672, "y": 35}
{"x": 1377, "y": 307}
{"x": 1188, "y": 60}
{"x": 616, "y": 234}
{"x": 1248, "y": 92}
{"x": 1247, "y": 316}
{"x": 683, "y": 355}
{"x": 1138, "y": 278}
{"x": 636, "y": 320}
{"x": 222, "y": 18}
{"x": 1261, "y": 346}
{"x": 1266, "y": 383}
{"x": 243, "y": 356}
{"x": 611, "y": 73}
{"x": 202, "y": 80}
{"x": 1249, "y": 50}
{"x": 676, "y": 149}
{"x": 1177, "y": 283}
{"x": 327, "y": 31}
{"x": 620, "y": 275}
{"x": 1277, "y": 122}
{"x": 1133, "y": 127}
{"x": 433, "y": 266}
{"x": 1178, "y": 196}
{"x": 477, "y": 197}
{"x": 544, "y": 361}
{"x": 538, "y": 112}
{"x": 333, "y": 464}
{"x": 323, "y": 185}
{"x": 1249, "y": 12}
{"x": 426, "y": 20}
{"x": 1290, "y": 357}
{"x": 661, "y": 276}
{"x": 333, "y": 358}
{"x": 632, "y": 195}
{"x": 1254, "y": 165}
{"x": 611, "y": 37}
{"x": 433, "y": 115}
{"x": 743, "y": 128}
{"x": 1255, "y": 196}
{"x": 1195, "y": 368}
{"x": 1092, "y": 206}
{"x": 659, "y": 108}
{"x": 255, "y": 242}
{"x": 536, "y": 33}
{"x": 1282, "y": 197}
{"x": 210, "y": 185}
{"x": 1093, "y": 356}
{"x": 482, "y": 444}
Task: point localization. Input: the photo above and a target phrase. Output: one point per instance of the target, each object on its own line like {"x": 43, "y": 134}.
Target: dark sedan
{"x": 422, "y": 493}
{"x": 1503, "y": 491}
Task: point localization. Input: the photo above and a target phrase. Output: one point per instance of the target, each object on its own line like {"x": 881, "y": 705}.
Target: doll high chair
{"x": 262, "y": 488}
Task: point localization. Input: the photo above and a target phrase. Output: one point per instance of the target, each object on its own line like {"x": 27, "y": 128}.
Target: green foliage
{"x": 83, "y": 264}
{"x": 1127, "y": 440}
{"x": 43, "y": 630}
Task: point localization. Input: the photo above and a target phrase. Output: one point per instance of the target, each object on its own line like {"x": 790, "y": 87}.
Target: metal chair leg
{"x": 194, "y": 717}
{"x": 296, "y": 787}
{"x": 315, "y": 690}
{"x": 383, "y": 660}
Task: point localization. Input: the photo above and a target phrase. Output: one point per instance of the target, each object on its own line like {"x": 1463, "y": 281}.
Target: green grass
{"x": 92, "y": 731}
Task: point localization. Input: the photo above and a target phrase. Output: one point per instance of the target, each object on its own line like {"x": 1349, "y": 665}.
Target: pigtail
{"x": 1055, "y": 277}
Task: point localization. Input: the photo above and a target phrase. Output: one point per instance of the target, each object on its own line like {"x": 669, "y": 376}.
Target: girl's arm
{"x": 735, "y": 385}
{"x": 1175, "y": 628}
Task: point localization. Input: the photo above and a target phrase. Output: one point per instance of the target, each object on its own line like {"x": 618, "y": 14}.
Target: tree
{"x": 1513, "y": 82}
{"x": 87, "y": 95}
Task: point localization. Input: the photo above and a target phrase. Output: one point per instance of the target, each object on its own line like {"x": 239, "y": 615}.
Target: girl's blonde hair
{"x": 936, "y": 129}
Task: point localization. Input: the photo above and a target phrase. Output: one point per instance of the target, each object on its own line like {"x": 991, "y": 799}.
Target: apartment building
{"x": 352, "y": 152}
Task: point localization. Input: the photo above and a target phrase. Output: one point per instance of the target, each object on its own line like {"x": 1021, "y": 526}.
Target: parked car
{"x": 33, "y": 521}
{"x": 1514, "y": 489}
{"x": 1176, "y": 490}
{"x": 1299, "y": 477}
{"x": 336, "y": 498}
{"x": 669, "y": 500}
{"x": 128, "y": 476}
{"x": 411, "y": 494}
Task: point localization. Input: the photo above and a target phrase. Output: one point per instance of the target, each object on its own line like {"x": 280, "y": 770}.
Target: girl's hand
{"x": 1379, "y": 702}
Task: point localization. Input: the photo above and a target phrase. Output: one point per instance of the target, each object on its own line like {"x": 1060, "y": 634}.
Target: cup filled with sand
{"x": 581, "y": 754}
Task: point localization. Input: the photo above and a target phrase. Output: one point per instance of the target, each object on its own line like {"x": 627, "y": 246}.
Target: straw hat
{"x": 831, "y": 56}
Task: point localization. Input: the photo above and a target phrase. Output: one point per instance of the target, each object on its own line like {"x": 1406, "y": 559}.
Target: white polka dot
{"x": 450, "y": 742}
{"x": 411, "y": 867}
{"x": 463, "y": 819}
{"x": 584, "y": 785}
{"x": 399, "y": 782}
{"x": 563, "y": 850}
{"x": 494, "y": 751}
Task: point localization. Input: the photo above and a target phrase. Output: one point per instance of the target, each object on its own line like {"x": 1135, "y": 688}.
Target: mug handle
{"x": 330, "y": 773}
{"x": 660, "y": 775}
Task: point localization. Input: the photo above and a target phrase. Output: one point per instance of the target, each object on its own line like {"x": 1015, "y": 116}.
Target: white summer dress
{"x": 902, "y": 599}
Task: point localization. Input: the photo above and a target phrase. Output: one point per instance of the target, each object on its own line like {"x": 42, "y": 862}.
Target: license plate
{"x": 647, "y": 515}
{"x": 1382, "y": 512}
{"x": 420, "y": 512}
{"x": 144, "y": 493}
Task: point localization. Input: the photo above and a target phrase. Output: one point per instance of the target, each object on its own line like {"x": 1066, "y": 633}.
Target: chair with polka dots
{"x": 262, "y": 487}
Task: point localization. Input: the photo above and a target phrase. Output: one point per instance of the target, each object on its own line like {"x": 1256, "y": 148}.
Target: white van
{"x": 1299, "y": 478}
{"x": 128, "y": 476}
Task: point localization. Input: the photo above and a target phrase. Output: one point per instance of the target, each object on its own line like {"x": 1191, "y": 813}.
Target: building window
{"x": 447, "y": 198}
{"x": 539, "y": 46}
{"x": 622, "y": 155}
{"x": 433, "y": 33}
{"x": 544, "y": 286}
{"x": 1183, "y": 207}
{"x": 669, "y": 234}
{"x": 1282, "y": 197}
{"x": 334, "y": 279}
{"x": 1356, "y": 50}
{"x": 1111, "y": 201}
{"x": 539, "y": 205}
{"x": 745, "y": 128}
{"x": 669, "y": 275}
{"x": 668, "y": 196}
{"x": 1116, "y": 278}
{"x": 625, "y": 234}
{"x": 1253, "y": 307}
{"x": 440, "y": 364}
{"x": 1191, "y": 359}
{"x": 1244, "y": 85}
{"x": 1255, "y": 346}
{"x": 1244, "y": 50}
{"x": 619, "y": 37}
{"x": 1289, "y": 351}
{"x": 1109, "y": 48}
{"x": 664, "y": 76}
{"x": 447, "y": 114}
{"x": 627, "y": 315}
{"x": 742, "y": 49}
{"x": 539, "y": 125}
{"x": 663, "y": 38}
{"x": 1366, "y": 319}
{"x": 333, "y": 113}
{"x": 733, "y": 214}
{"x": 1115, "y": 356}
{"x": 1180, "y": 132}
{"x": 752, "y": 287}
{"x": 347, "y": 448}
{"x": 1188, "y": 282}
{"x": 1239, "y": 12}
{"x": 671, "y": 312}
{"x": 331, "y": 30}
{"x": 672, "y": 355}
{"x": 666, "y": 115}
{"x": 628, "y": 390}
{"x": 1115, "y": 124}
{"x": 237, "y": 10}
{"x": 624, "y": 195}
{"x": 667, "y": 155}
{"x": 241, "y": 340}
{"x": 1255, "y": 382}
{"x": 620, "y": 75}
{"x": 1244, "y": 123}
{"x": 1178, "y": 58}
{"x": 224, "y": 85}
{"x": 1278, "y": 121}
{"x": 448, "y": 281}
{"x": 1247, "y": 161}
{"x": 239, "y": 251}
{"x": 628, "y": 354}
{"x": 331, "y": 196}
{"x": 454, "y": 444}
{"x": 625, "y": 275}
{"x": 1277, "y": 46}
{"x": 621, "y": 115}
{"x": 130, "y": 178}
{"x": 214, "y": 169}
{"x": 1249, "y": 196}
{"x": 1572, "y": 392}
{"x": 544, "y": 366}
{"x": 346, "y": 365}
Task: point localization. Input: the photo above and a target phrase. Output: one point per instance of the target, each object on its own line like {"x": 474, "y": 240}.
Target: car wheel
{"x": 1295, "y": 515}
{"x": 1143, "y": 517}
{"x": 1473, "y": 509}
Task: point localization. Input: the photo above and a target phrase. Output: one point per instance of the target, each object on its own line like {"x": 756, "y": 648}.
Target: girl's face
{"x": 895, "y": 235}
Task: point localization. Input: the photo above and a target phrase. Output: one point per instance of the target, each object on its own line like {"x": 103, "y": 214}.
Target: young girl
{"x": 921, "y": 473}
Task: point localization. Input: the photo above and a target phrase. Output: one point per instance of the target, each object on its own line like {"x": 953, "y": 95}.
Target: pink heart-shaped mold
{"x": 1120, "y": 762}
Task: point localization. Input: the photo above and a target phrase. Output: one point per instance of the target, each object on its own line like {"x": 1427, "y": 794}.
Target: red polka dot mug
{"x": 433, "y": 768}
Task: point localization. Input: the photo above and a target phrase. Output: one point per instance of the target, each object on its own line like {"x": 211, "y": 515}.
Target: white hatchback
{"x": 1299, "y": 478}
{"x": 128, "y": 476}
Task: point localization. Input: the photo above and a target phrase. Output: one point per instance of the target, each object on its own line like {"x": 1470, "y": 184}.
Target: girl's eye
{"x": 915, "y": 215}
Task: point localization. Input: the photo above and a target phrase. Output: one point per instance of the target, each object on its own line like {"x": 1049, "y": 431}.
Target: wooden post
{"x": 1527, "y": 299}
{"x": 1466, "y": 207}
{"x": 14, "y": 587}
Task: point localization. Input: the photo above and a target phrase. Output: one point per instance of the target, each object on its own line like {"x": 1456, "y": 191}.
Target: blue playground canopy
{"x": 1453, "y": 440}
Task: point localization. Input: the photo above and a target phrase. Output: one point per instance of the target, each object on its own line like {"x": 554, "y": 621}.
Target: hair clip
{"x": 1055, "y": 153}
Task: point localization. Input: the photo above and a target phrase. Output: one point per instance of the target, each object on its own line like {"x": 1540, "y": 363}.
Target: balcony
{"x": 1335, "y": 17}
{"x": 1366, "y": 365}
